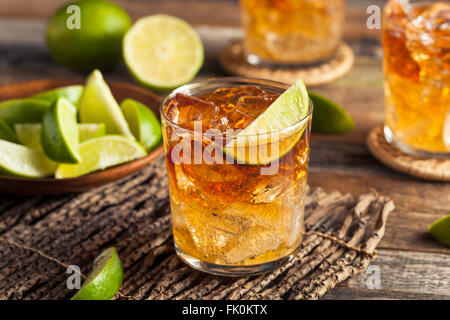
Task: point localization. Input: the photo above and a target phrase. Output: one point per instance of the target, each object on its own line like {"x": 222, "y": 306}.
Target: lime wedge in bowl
{"x": 278, "y": 124}
{"x": 105, "y": 279}
{"x": 6, "y": 133}
{"x": 144, "y": 124}
{"x": 19, "y": 161}
{"x": 29, "y": 134}
{"x": 71, "y": 93}
{"x": 99, "y": 106}
{"x": 101, "y": 153}
{"x": 59, "y": 135}
{"x": 162, "y": 52}
{"x": 23, "y": 110}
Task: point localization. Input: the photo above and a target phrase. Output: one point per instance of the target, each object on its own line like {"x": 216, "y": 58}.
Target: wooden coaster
{"x": 434, "y": 169}
{"x": 233, "y": 60}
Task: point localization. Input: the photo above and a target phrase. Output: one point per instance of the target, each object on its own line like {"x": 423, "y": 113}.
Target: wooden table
{"x": 412, "y": 265}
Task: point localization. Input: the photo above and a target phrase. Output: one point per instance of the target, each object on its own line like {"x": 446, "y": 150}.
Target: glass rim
{"x": 186, "y": 89}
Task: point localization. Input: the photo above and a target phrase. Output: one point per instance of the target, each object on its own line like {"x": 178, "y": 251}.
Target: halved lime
{"x": 440, "y": 230}
{"x": 105, "y": 279}
{"x": 17, "y": 160}
{"x": 59, "y": 135}
{"x": 143, "y": 123}
{"x": 162, "y": 52}
{"x": 277, "y": 129}
{"x": 329, "y": 117}
{"x": 23, "y": 110}
{"x": 99, "y": 106}
{"x": 71, "y": 93}
{"x": 100, "y": 153}
{"x": 6, "y": 133}
{"x": 29, "y": 134}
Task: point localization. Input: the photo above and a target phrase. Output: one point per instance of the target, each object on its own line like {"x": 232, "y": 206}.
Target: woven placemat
{"x": 40, "y": 236}
{"x": 233, "y": 60}
{"x": 435, "y": 169}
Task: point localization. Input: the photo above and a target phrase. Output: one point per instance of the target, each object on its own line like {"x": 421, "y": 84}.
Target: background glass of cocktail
{"x": 292, "y": 31}
{"x": 230, "y": 218}
{"x": 416, "y": 43}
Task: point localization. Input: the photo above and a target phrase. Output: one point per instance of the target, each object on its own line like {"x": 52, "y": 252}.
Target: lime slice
{"x": 143, "y": 123}
{"x": 105, "y": 279}
{"x": 286, "y": 115}
{"x": 162, "y": 52}
{"x": 59, "y": 135}
{"x": 17, "y": 160}
{"x": 23, "y": 110}
{"x": 29, "y": 134}
{"x": 101, "y": 153}
{"x": 6, "y": 133}
{"x": 440, "y": 230}
{"x": 328, "y": 117}
{"x": 71, "y": 93}
{"x": 99, "y": 106}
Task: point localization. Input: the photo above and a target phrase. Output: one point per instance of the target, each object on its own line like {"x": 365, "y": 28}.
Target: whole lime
{"x": 87, "y": 34}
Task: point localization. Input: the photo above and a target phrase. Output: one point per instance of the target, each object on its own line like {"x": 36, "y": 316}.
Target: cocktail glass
{"x": 237, "y": 208}
{"x": 291, "y": 32}
{"x": 416, "y": 44}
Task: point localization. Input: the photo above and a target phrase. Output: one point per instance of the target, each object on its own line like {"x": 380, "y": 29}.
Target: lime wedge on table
{"x": 162, "y": 52}
{"x": 6, "y": 133}
{"x": 59, "y": 135}
{"x": 100, "y": 153}
{"x": 285, "y": 114}
{"x": 23, "y": 110}
{"x": 29, "y": 134}
{"x": 99, "y": 106}
{"x": 71, "y": 93}
{"x": 440, "y": 230}
{"x": 105, "y": 279}
{"x": 143, "y": 123}
{"x": 329, "y": 117}
{"x": 17, "y": 160}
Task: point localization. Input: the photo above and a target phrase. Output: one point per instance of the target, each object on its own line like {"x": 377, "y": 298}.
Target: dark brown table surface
{"x": 412, "y": 265}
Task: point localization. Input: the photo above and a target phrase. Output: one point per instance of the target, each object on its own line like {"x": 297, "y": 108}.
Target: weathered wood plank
{"x": 403, "y": 275}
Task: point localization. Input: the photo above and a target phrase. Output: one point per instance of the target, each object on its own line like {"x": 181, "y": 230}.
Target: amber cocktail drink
{"x": 292, "y": 31}
{"x": 416, "y": 42}
{"x": 233, "y": 215}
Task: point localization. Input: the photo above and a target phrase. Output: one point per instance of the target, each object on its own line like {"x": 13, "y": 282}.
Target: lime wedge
{"x": 440, "y": 230}
{"x": 17, "y": 160}
{"x": 328, "y": 117}
{"x": 23, "y": 110}
{"x": 6, "y": 133}
{"x": 143, "y": 123}
{"x": 99, "y": 106}
{"x": 59, "y": 135}
{"x": 71, "y": 93}
{"x": 162, "y": 52}
{"x": 100, "y": 153}
{"x": 105, "y": 279}
{"x": 29, "y": 134}
{"x": 286, "y": 114}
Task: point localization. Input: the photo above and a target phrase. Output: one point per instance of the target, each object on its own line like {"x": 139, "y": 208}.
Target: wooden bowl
{"x": 26, "y": 186}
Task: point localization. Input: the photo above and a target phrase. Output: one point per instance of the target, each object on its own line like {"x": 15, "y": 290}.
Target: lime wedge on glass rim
{"x": 101, "y": 153}
{"x": 162, "y": 52}
{"x": 281, "y": 123}
{"x": 98, "y": 105}
{"x": 143, "y": 123}
{"x": 105, "y": 279}
{"x": 20, "y": 161}
{"x": 29, "y": 134}
{"x": 59, "y": 134}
